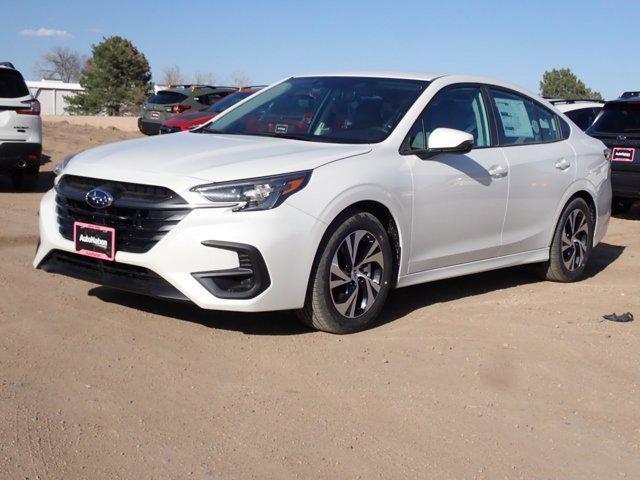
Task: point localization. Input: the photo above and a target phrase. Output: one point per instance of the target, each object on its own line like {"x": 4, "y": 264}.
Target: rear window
{"x": 623, "y": 117}
{"x": 165, "y": 97}
{"x": 12, "y": 84}
{"x": 583, "y": 117}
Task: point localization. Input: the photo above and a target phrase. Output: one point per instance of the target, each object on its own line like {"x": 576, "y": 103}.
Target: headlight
{"x": 256, "y": 193}
{"x": 59, "y": 168}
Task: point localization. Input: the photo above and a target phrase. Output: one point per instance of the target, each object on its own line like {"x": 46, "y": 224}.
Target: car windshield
{"x": 228, "y": 101}
{"x": 324, "y": 109}
{"x": 618, "y": 118}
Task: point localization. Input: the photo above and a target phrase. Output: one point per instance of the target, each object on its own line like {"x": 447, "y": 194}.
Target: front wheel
{"x": 572, "y": 243}
{"x": 351, "y": 277}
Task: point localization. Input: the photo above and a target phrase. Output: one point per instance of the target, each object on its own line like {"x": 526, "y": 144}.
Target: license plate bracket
{"x": 95, "y": 241}
{"x": 623, "y": 154}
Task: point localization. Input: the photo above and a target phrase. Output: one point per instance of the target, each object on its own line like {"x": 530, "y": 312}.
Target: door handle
{"x": 563, "y": 164}
{"x": 498, "y": 171}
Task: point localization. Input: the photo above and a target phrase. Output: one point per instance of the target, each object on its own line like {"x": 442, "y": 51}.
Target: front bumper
{"x": 17, "y": 156}
{"x": 625, "y": 184}
{"x": 148, "y": 127}
{"x": 182, "y": 264}
{"x": 167, "y": 129}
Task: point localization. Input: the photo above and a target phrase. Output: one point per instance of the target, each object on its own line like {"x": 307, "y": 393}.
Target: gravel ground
{"x": 493, "y": 376}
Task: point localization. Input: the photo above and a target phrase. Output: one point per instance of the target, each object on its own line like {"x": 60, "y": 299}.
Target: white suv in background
{"x": 582, "y": 112}
{"x": 322, "y": 193}
{"x": 20, "y": 129}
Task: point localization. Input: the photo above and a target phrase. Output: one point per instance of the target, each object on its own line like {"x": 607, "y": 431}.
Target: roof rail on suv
{"x": 556, "y": 101}
{"x": 195, "y": 85}
{"x": 7, "y": 64}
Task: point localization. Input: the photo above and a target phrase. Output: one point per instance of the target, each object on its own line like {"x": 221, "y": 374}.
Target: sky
{"x": 265, "y": 41}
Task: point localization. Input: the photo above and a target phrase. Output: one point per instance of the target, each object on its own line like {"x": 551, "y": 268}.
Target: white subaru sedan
{"x": 322, "y": 193}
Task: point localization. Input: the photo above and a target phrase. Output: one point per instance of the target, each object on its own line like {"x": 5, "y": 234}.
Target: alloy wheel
{"x": 356, "y": 274}
{"x": 575, "y": 238}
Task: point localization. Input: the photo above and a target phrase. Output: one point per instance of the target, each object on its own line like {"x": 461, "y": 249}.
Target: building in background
{"x": 53, "y": 94}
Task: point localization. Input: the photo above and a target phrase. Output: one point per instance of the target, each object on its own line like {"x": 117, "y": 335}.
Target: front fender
{"x": 336, "y": 187}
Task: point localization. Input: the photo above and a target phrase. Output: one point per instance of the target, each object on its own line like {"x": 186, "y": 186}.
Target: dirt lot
{"x": 490, "y": 376}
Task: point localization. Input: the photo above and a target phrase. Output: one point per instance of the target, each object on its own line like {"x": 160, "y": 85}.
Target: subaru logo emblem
{"x": 99, "y": 198}
{"x": 621, "y": 137}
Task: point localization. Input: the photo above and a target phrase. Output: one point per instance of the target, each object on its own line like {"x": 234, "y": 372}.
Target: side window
{"x": 548, "y": 124}
{"x": 517, "y": 122}
{"x": 564, "y": 128}
{"x": 461, "y": 108}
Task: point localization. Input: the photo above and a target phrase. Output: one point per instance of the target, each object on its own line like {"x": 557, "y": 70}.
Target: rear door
{"x": 14, "y": 96}
{"x": 541, "y": 168}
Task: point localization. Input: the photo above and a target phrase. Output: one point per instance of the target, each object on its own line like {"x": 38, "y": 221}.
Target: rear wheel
{"x": 572, "y": 243}
{"x": 351, "y": 278}
{"x": 26, "y": 180}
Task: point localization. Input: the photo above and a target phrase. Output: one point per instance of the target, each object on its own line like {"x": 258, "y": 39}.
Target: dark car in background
{"x": 186, "y": 121}
{"x": 177, "y": 100}
{"x": 618, "y": 127}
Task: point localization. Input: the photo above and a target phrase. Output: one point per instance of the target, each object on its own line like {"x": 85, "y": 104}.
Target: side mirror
{"x": 446, "y": 140}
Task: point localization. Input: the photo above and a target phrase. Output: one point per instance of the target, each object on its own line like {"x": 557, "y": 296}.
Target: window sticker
{"x": 515, "y": 119}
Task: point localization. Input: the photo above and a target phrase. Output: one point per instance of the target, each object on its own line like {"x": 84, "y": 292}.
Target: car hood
{"x": 205, "y": 157}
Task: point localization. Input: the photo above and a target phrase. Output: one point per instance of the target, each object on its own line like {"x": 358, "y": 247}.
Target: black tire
{"x": 319, "y": 311}
{"x": 26, "y": 180}
{"x": 621, "y": 205}
{"x": 556, "y": 269}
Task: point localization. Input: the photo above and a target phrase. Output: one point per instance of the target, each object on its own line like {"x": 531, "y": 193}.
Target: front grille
{"x": 141, "y": 214}
{"x": 112, "y": 274}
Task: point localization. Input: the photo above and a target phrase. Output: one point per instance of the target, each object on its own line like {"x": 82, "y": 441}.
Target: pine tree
{"x": 116, "y": 80}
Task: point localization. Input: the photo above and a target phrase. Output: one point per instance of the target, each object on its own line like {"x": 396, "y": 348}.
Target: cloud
{"x": 45, "y": 32}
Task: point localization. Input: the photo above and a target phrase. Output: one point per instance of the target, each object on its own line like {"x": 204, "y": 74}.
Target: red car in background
{"x": 186, "y": 121}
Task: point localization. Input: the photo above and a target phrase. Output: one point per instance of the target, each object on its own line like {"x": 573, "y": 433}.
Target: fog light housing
{"x": 246, "y": 281}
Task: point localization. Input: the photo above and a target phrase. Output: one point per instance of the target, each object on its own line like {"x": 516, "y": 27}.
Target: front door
{"x": 459, "y": 200}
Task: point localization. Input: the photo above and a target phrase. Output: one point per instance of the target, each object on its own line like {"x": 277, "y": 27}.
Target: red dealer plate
{"x": 94, "y": 240}
{"x": 623, "y": 154}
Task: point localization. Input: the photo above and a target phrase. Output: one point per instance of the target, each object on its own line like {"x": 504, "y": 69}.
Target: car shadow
{"x": 632, "y": 214}
{"x": 400, "y": 303}
{"x": 45, "y": 181}
{"x": 268, "y": 323}
{"x": 403, "y": 301}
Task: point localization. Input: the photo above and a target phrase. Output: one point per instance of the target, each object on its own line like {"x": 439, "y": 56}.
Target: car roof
{"x": 7, "y": 65}
{"x": 189, "y": 89}
{"x": 375, "y": 74}
{"x": 571, "y": 105}
{"x": 632, "y": 100}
